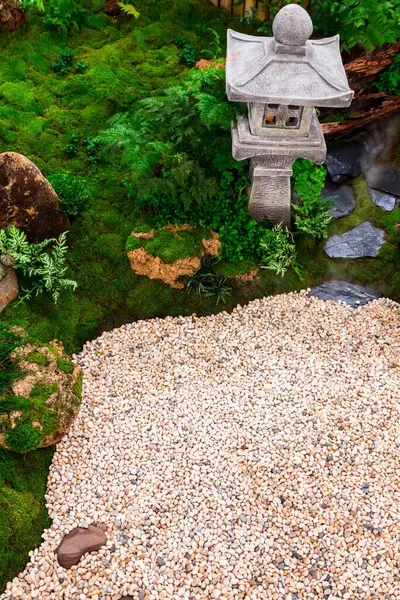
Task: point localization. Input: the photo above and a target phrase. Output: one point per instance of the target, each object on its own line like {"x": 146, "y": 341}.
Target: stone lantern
{"x": 282, "y": 79}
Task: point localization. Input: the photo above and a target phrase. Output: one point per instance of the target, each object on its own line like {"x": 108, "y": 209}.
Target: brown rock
{"x": 153, "y": 267}
{"x": 27, "y": 199}
{"x": 78, "y": 542}
{"x": 11, "y": 15}
{"x": 8, "y": 288}
{"x": 112, "y": 9}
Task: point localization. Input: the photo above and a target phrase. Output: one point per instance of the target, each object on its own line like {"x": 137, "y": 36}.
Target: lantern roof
{"x": 287, "y": 68}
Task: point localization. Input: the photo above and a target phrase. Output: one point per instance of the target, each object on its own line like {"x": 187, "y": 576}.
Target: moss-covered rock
{"x": 40, "y": 405}
{"x": 171, "y": 252}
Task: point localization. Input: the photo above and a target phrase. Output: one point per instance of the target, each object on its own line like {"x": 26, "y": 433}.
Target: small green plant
{"x": 389, "y": 80}
{"x": 311, "y": 212}
{"x": 92, "y": 149}
{"x": 71, "y": 148}
{"x": 214, "y": 49}
{"x": 72, "y": 191}
{"x": 38, "y": 358}
{"x": 65, "y": 365}
{"x": 278, "y": 251}
{"x": 205, "y": 282}
{"x": 64, "y": 63}
{"x": 189, "y": 52}
{"x": 80, "y": 67}
{"x": 45, "y": 269}
{"x": 129, "y": 10}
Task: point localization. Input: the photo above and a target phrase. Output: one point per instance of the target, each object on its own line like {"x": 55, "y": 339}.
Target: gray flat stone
{"x": 342, "y": 197}
{"x": 385, "y": 179}
{"x": 383, "y": 200}
{"x": 342, "y": 291}
{"x": 364, "y": 240}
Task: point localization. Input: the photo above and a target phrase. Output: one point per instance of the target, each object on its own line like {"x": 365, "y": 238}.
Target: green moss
{"x": 38, "y": 358}
{"x": 12, "y": 403}
{"x": 151, "y": 298}
{"x": 231, "y": 269}
{"x": 65, "y": 365}
{"x": 78, "y": 385}
{"x": 171, "y": 246}
{"x": 132, "y": 243}
{"x": 23, "y": 438}
{"x": 23, "y": 514}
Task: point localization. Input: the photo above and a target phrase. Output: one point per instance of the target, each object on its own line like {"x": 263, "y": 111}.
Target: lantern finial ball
{"x": 292, "y": 25}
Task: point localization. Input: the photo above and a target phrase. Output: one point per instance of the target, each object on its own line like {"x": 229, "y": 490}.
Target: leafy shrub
{"x": 44, "y": 269}
{"x": 311, "y": 214}
{"x": 368, "y": 23}
{"x": 129, "y": 10}
{"x": 63, "y": 15}
{"x": 72, "y": 191}
{"x": 64, "y": 62}
{"x": 389, "y": 80}
{"x": 279, "y": 251}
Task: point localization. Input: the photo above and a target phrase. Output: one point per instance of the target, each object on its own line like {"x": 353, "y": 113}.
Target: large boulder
{"x": 27, "y": 199}
{"x": 43, "y": 396}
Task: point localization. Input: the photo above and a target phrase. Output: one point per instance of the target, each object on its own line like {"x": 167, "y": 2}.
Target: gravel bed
{"x": 253, "y": 455}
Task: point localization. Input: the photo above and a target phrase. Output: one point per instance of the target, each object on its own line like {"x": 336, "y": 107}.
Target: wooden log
{"x": 364, "y": 69}
{"x": 383, "y": 106}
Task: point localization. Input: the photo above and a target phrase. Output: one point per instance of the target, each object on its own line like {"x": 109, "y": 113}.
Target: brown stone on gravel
{"x": 27, "y": 199}
{"x": 8, "y": 288}
{"x": 78, "y": 542}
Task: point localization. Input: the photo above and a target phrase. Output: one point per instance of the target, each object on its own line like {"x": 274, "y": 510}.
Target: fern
{"x": 129, "y": 9}
{"x": 45, "y": 268}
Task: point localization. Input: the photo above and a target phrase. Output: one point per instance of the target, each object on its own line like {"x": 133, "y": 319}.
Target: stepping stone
{"x": 342, "y": 197}
{"x": 385, "y": 179}
{"x": 364, "y": 240}
{"x": 342, "y": 291}
{"x": 384, "y": 201}
{"x": 78, "y": 542}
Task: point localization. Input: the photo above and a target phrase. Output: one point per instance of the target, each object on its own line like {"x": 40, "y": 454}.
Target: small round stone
{"x": 292, "y": 26}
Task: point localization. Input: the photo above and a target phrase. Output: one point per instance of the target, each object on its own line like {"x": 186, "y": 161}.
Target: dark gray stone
{"x": 342, "y": 291}
{"x": 384, "y": 201}
{"x": 342, "y": 197}
{"x": 364, "y": 240}
{"x": 345, "y": 161}
{"x": 386, "y": 179}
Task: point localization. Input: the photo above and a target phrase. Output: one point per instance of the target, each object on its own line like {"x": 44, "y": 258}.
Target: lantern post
{"x": 282, "y": 79}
